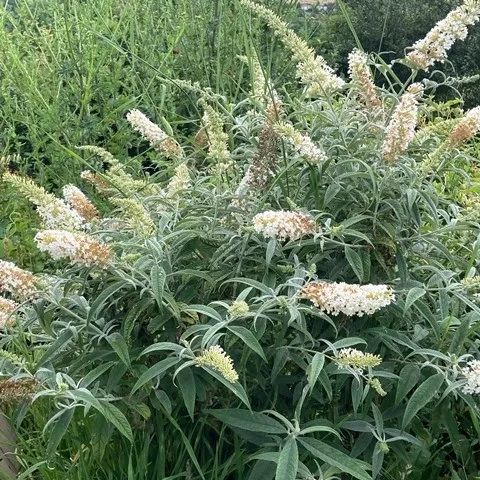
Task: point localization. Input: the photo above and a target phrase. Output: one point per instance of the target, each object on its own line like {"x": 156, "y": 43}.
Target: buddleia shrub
{"x": 292, "y": 294}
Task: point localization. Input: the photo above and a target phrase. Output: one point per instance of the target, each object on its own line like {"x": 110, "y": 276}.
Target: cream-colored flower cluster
{"x": 17, "y": 284}
{"x": 179, "y": 182}
{"x": 157, "y": 138}
{"x": 376, "y": 385}
{"x": 262, "y": 89}
{"x": 362, "y": 79}
{"x": 433, "y": 48}
{"x": 401, "y": 129}
{"x": 214, "y": 357}
{"x": 313, "y": 71}
{"x": 238, "y": 309}
{"x": 102, "y": 185}
{"x": 100, "y": 152}
{"x": 357, "y": 360}
{"x": 116, "y": 180}
{"x": 7, "y": 307}
{"x": 78, "y": 248}
{"x": 349, "y": 299}
{"x": 216, "y": 137}
{"x": 80, "y": 203}
{"x": 302, "y": 143}
{"x": 471, "y": 283}
{"x": 284, "y": 225}
{"x": 472, "y": 374}
{"x": 54, "y": 212}
{"x": 465, "y": 129}
{"x": 15, "y": 281}
{"x": 136, "y": 216}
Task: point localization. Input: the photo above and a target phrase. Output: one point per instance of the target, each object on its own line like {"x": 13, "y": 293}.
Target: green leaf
{"x": 249, "y": 339}
{"x": 335, "y": 458}
{"x": 162, "y": 347}
{"x": 412, "y": 296}
{"x": 281, "y": 357}
{"x": 111, "y": 413}
{"x": 142, "y": 409}
{"x": 271, "y": 245}
{"x": 92, "y": 375}
{"x": 252, "y": 283}
{"x": 59, "y": 430}
{"x": 459, "y": 337}
{"x": 204, "y": 310}
{"x": 157, "y": 281}
{"x": 377, "y": 460}
{"x": 262, "y": 470}
{"x": 409, "y": 376}
{"x": 314, "y": 369}
{"x": 355, "y": 262}
{"x": 118, "y": 343}
{"x": 330, "y": 193}
{"x": 422, "y": 395}
{"x": 154, "y": 371}
{"x": 235, "y": 388}
{"x": 247, "y": 420}
{"x": 348, "y": 342}
{"x": 60, "y": 344}
{"x": 133, "y": 315}
{"x": 98, "y": 304}
{"x": 287, "y": 465}
{"x": 377, "y": 415}
{"x": 117, "y": 419}
{"x": 186, "y": 382}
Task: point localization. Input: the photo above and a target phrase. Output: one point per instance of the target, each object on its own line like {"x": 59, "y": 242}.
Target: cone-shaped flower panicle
{"x": 357, "y": 360}
{"x": 472, "y": 373}
{"x": 312, "y": 70}
{"x": 216, "y": 137}
{"x": 466, "y": 129}
{"x": 54, "y": 212}
{"x": 349, "y": 299}
{"x": 401, "y": 129}
{"x": 100, "y": 152}
{"x": 80, "y": 203}
{"x": 434, "y": 47}
{"x": 151, "y": 132}
{"x": 302, "y": 143}
{"x": 135, "y": 214}
{"x": 15, "y": 281}
{"x": 262, "y": 89}
{"x": 7, "y": 307}
{"x": 116, "y": 180}
{"x": 284, "y": 225}
{"x": 77, "y": 248}
{"x": 179, "y": 182}
{"x": 214, "y": 357}
{"x": 362, "y": 79}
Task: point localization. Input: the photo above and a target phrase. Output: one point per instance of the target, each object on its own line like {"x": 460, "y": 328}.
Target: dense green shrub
{"x": 290, "y": 232}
